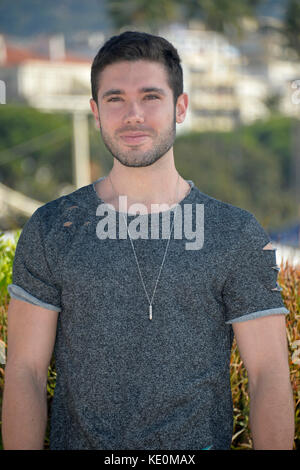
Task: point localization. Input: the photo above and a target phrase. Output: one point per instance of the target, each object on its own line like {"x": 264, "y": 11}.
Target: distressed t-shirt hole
{"x": 269, "y": 246}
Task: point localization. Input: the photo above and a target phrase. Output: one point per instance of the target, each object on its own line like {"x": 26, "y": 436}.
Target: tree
{"x": 292, "y": 25}
{"x": 35, "y": 151}
{"x": 272, "y": 102}
{"x": 143, "y": 12}
{"x": 218, "y": 15}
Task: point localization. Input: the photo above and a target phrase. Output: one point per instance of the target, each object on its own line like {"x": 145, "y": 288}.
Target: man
{"x": 142, "y": 327}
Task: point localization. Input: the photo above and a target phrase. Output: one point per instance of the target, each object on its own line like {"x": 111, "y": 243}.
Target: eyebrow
{"x": 141, "y": 90}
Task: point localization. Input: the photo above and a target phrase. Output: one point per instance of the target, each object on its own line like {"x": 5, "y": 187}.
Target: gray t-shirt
{"x": 125, "y": 381}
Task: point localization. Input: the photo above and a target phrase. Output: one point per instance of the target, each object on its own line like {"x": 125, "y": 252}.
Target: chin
{"x": 137, "y": 164}
{"x": 140, "y": 161}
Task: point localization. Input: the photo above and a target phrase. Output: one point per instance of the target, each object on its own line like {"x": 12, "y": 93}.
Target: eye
{"x": 152, "y": 97}
{"x": 114, "y": 98}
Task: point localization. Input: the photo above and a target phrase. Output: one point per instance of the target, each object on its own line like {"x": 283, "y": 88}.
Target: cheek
{"x": 158, "y": 114}
{"x": 110, "y": 118}
{"x": 163, "y": 110}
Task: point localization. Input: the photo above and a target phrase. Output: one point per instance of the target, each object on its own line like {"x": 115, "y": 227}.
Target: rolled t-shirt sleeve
{"x": 251, "y": 289}
{"x": 32, "y": 279}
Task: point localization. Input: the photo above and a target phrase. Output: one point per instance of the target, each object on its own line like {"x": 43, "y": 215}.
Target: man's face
{"x": 136, "y": 112}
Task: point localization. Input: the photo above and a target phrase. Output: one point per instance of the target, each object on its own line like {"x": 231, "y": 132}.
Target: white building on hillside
{"x": 209, "y": 66}
{"x": 57, "y": 81}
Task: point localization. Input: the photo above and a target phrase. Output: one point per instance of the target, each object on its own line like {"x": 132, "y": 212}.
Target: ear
{"x": 95, "y": 111}
{"x": 181, "y": 107}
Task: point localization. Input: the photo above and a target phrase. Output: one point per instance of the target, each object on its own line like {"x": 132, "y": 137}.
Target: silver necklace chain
{"x": 150, "y": 302}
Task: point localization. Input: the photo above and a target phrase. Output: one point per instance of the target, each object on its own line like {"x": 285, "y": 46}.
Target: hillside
{"x": 32, "y": 17}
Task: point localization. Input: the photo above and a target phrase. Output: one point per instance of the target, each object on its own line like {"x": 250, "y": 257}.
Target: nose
{"x": 134, "y": 114}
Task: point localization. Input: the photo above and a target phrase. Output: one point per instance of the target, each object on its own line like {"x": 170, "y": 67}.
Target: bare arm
{"x": 31, "y": 338}
{"x": 263, "y": 348}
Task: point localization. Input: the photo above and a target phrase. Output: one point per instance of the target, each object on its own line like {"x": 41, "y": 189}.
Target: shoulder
{"x": 234, "y": 225}
{"x": 53, "y": 225}
{"x": 224, "y": 211}
{"x": 56, "y": 212}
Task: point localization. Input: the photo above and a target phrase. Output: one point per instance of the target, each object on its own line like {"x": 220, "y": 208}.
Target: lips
{"x": 134, "y": 138}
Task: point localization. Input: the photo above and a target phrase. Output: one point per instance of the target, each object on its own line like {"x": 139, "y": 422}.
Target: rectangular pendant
{"x": 150, "y": 312}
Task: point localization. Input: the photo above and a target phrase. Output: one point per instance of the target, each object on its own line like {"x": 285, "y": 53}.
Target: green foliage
{"x": 217, "y": 15}
{"x": 7, "y": 253}
{"x": 249, "y": 167}
{"x": 35, "y": 151}
{"x": 292, "y": 25}
{"x": 143, "y": 13}
{"x": 276, "y": 135}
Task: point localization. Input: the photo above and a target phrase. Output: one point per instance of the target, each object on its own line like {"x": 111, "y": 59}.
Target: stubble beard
{"x": 139, "y": 158}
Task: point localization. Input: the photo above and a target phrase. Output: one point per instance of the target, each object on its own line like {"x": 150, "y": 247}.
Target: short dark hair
{"x": 131, "y": 46}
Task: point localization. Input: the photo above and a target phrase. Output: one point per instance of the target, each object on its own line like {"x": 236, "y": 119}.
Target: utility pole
{"x": 81, "y": 150}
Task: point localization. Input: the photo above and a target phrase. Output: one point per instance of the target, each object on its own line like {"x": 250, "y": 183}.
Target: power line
{"x": 33, "y": 144}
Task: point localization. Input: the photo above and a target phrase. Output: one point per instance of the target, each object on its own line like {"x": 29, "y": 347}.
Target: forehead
{"x": 132, "y": 75}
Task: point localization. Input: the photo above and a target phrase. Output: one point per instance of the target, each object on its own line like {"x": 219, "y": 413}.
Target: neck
{"x": 144, "y": 185}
